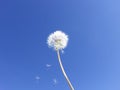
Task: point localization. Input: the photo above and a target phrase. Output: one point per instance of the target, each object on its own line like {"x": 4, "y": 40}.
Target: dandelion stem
{"x": 63, "y": 71}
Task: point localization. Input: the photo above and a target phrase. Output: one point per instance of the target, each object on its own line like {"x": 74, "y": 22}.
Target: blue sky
{"x": 91, "y": 59}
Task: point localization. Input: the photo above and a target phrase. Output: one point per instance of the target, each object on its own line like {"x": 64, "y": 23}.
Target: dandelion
{"x": 59, "y": 40}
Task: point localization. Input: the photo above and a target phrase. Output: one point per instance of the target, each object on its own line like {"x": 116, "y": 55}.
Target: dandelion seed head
{"x": 57, "y": 40}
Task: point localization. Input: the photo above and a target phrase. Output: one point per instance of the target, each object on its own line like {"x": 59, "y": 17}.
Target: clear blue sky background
{"x": 91, "y": 59}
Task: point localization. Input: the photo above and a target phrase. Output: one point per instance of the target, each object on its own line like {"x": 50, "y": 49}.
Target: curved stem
{"x": 63, "y": 71}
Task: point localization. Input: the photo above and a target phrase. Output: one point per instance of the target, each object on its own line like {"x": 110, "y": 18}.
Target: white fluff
{"x": 58, "y": 40}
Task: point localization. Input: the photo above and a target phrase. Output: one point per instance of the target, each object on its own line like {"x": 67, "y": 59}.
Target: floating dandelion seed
{"x": 58, "y": 40}
{"x": 37, "y": 78}
{"x": 55, "y": 81}
{"x": 48, "y": 65}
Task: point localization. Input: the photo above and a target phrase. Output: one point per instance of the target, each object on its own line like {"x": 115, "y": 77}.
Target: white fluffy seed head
{"x": 58, "y": 40}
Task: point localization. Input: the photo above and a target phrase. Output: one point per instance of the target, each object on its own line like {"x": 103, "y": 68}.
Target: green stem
{"x": 63, "y": 71}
